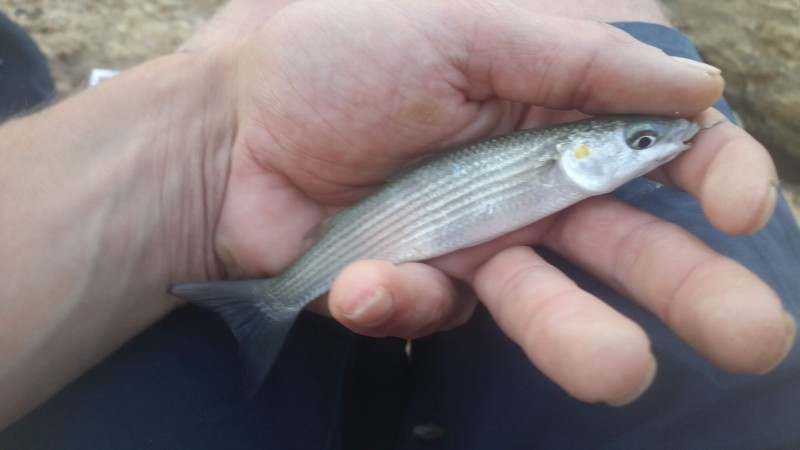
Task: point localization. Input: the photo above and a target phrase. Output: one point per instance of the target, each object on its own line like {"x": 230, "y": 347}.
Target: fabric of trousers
{"x": 178, "y": 385}
{"x": 25, "y": 82}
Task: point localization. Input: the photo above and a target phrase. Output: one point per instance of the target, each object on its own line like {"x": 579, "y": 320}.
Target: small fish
{"x": 450, "y": 201}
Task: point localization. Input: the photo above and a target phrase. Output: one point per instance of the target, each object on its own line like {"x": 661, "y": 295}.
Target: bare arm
{"x": 96, "y": 216}
{"x": 108, "y": 197}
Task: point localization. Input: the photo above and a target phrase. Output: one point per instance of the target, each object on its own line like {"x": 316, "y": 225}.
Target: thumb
{"x": 562, "y": 63}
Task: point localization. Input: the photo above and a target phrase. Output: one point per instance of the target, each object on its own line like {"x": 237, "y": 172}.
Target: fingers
{"x": 376, "y": 298}
{"x": 563, "y": 63}
{"x": 730, "y": 173}
{"x": 712, "y": 302}
{"x": 593, "y": 352}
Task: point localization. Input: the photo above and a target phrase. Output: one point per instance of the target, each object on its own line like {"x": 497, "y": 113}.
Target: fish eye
{"x": 641, "y": 136}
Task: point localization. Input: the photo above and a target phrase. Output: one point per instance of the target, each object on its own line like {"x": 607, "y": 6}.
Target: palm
{"x": 340, "y": 129}
{"x": 339, "y": 96}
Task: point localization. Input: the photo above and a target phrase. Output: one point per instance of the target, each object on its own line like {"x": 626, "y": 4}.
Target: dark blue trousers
{"x": 25, "y": 82}
{"x": 178, "y": 385}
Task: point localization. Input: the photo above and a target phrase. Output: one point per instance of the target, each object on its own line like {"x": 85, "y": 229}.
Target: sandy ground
{"x": 79, "y": 35}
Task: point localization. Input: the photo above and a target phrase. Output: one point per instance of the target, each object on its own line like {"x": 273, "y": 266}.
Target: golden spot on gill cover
{"x": 582, "y": 151}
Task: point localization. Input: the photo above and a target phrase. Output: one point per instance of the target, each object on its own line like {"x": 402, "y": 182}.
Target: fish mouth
{"x": 685, "y": 131}
{"x": 680, "y": 135}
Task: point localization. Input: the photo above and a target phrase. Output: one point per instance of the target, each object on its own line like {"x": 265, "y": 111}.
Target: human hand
{"x": 334, "y": 98}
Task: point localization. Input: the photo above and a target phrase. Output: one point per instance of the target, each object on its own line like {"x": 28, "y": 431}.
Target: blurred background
{"x": 755, "y": 43}
{"x": 78, "y": 35}
{"x": 757, "y": 46}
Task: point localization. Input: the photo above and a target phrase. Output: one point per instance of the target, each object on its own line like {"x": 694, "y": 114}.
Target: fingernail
{"x": 628, "y": 399}
{"x": 371, "y": 311}
{"x": 787, "y": 346}
{"x": 703, "y": 67}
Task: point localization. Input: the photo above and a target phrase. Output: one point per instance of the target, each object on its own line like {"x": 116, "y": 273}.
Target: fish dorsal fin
{"x": 410, "y": 168}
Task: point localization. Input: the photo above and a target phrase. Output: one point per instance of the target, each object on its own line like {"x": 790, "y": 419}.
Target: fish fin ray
{"x": 260, "y": 326}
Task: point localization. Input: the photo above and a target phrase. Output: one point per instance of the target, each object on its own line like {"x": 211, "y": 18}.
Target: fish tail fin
{"x": 260, "y": 326}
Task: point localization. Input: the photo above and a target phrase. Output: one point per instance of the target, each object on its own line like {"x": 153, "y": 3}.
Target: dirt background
{"x": 755, "y": 43}
{"x": 78, "y": 35}
{"x": 757, "y": 46}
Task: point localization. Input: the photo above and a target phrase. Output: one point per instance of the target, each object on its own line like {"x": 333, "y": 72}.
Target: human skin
{"x": 214, "y": 162}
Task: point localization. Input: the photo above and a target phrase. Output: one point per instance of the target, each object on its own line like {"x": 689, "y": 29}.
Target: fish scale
{"x": 450, "y": 201}
{"x": 428, "y": 213}
{"x": 416, "y": 221}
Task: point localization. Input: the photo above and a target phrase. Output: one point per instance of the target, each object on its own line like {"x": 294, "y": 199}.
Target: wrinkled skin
{"x": 334, "y": 97}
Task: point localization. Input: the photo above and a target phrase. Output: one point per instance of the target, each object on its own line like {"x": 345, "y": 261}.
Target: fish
{"x": 453, "y": 200}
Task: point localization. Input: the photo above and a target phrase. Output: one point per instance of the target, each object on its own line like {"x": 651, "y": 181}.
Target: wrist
{"x": 161, "y": 134}
{"x": 106, "y": 199}
{"x": 191, "y": 146}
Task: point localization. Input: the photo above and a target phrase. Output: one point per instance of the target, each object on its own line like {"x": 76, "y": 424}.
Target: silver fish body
{"x": 453, "y": 200}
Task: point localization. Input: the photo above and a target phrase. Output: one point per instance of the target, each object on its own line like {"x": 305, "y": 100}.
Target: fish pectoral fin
{"x": 260, "y": 327}
{"x": 534, "y": 175}
{"x": 315, "y": 232}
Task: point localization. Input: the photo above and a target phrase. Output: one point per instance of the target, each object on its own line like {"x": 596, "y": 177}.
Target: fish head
{"x": 611, "y": 152}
